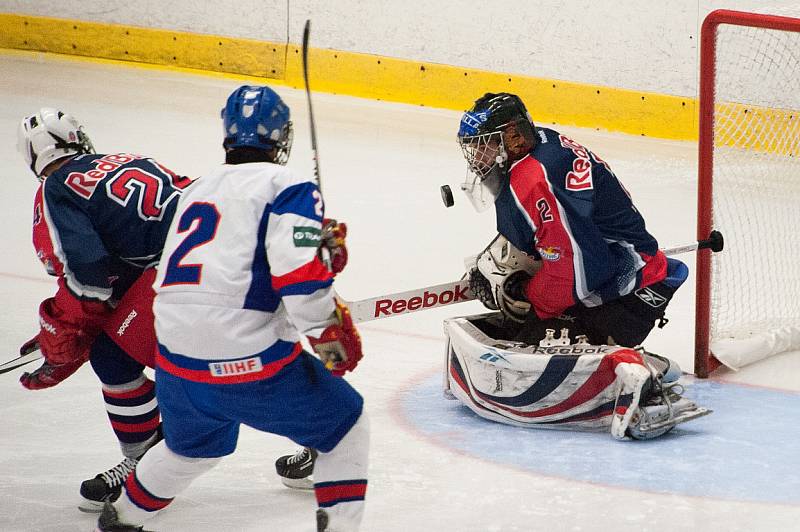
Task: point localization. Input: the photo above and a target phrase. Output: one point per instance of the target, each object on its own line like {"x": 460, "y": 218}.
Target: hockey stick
{"x": 312, "y": 126}
{"x": 441, "y": 295}
{"x": 26, "y": 357}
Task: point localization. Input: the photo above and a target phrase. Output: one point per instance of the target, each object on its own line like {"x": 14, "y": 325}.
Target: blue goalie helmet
{"x": 256, "y": 117}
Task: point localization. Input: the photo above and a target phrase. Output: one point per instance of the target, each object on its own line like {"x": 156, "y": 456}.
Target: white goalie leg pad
{"x": 631, "y": 379}
{"x": 552, "y": 387}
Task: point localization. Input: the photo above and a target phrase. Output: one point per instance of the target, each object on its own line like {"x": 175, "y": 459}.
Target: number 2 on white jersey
{"x": 204, "y": 231}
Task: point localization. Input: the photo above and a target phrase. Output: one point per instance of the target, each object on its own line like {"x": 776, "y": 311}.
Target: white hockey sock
{"x": 159, "y": 476}
{"x": 340, "y": 478}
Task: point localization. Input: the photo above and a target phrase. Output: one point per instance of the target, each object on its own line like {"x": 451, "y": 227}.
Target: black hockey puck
{"x": 447, "y": 195}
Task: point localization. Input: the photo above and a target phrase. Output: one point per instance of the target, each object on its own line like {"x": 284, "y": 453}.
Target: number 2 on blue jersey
{"x": 204, "y": 231}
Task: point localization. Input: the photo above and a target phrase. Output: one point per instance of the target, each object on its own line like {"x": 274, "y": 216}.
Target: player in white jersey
{"x": 240, "y": 282}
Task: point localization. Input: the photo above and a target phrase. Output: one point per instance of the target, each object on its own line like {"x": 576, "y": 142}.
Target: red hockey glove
{"x": 333, "y": 240}
{"x": 68, "y": 328}
{"x": 339, "y": 345}
{"x": 48, "y": 375}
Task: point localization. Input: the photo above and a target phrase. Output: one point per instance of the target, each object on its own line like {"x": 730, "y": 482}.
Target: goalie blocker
{"x": 559, "y": 385}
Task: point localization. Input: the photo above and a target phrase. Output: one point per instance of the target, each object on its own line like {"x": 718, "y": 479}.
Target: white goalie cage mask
{"x": 486, "y": 157}
{"x": 48, "y": 136}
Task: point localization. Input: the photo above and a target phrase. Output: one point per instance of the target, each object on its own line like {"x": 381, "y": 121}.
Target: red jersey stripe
{"x": 205, "y": 376}
{"x": 314, "y": 270}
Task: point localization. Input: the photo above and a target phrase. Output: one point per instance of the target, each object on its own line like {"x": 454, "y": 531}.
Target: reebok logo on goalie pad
{"x": 650, "y": 297}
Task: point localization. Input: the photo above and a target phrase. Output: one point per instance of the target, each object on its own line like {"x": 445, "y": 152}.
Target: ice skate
{"x": 296, "y": 470}
{"x": 662, "y": 411}
{"x": 105, "y": 487}
{"x": 109, "y": 521}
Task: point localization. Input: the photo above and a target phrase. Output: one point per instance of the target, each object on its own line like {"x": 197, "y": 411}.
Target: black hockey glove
{"x": 482, "y": 289}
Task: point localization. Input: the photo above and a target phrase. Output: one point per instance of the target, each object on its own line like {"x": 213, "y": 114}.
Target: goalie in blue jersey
{"x": 577, "y": 280}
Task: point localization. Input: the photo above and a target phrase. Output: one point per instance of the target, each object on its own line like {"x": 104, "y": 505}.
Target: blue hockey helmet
{"x": 256, "y": 117}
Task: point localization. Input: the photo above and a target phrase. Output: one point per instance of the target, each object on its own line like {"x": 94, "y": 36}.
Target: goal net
{"x": 748, "y": 296}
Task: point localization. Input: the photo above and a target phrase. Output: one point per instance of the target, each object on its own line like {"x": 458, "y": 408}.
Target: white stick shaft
{"x": 20, "y": 361}
{"x": 440, "y": 295}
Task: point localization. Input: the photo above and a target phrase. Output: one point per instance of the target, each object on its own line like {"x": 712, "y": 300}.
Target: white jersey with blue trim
{"x": 240, "y": 272}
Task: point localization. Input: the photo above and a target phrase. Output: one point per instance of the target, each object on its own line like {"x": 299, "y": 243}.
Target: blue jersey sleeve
{"x": 76, "y": 243}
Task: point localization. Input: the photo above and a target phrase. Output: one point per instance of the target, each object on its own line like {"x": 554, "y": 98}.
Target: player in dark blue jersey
{"x": 100, "y": 222}
{"x": 598, "y": 272}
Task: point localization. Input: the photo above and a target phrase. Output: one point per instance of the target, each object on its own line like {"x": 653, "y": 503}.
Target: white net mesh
{"x": 756, "y": 180}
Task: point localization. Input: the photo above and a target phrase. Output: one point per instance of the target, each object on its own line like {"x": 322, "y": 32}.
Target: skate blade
{"x": 682, "y": 417}
{"x": 90, "y": 507}
{"x": 306, "y": 483}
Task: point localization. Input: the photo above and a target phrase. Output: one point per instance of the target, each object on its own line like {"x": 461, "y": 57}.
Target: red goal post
{"x": 748, "y": 296}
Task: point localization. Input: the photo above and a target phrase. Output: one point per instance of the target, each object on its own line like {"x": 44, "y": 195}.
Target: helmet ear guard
{"x": 48, "y": 136}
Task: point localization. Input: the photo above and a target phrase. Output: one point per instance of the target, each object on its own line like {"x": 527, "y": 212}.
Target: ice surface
{"x": 434, "y": 466}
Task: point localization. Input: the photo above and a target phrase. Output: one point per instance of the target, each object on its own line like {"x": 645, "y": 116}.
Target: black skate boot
{"x": 109, "y": 521}
{"x": 296, "y": 469}
{"x": 106, "y": 486}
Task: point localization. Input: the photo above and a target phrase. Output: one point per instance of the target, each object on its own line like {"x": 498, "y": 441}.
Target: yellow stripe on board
{"x": 362, "y": 75}
{"x": 129, "y": 43}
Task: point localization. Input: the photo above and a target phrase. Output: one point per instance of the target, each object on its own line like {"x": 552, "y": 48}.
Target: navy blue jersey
{"x": 106, "y": 218}
{"x": 563, "y": 204}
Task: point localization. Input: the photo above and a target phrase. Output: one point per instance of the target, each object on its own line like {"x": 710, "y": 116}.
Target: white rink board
{"x": 644, "y": 46}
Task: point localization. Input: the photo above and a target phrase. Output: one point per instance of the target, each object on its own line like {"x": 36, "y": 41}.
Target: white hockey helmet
{"x": 48, "y": 136}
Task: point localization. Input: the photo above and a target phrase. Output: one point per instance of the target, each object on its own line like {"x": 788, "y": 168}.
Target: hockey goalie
{"x": 577, "y": 280}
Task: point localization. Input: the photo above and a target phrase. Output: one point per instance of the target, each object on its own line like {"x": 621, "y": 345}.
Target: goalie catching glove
{"x": 339, "y": 345}
{"x": 333, "y": 244}
{"x": 499, "y": 276}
